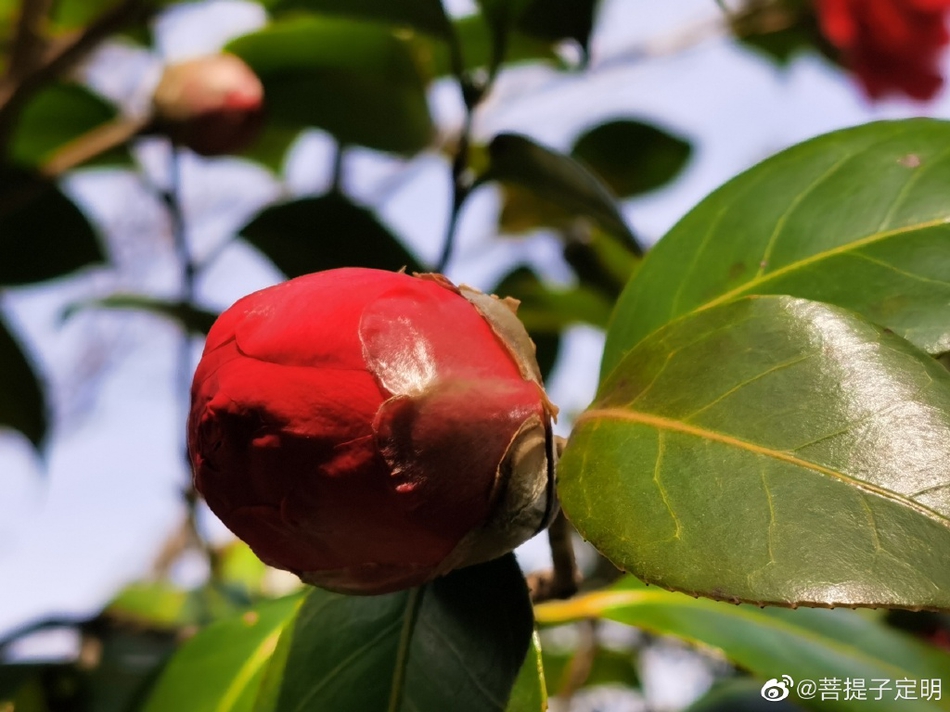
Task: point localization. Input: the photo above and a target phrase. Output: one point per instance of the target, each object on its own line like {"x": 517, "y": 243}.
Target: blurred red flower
{"x": 893, "y": 46}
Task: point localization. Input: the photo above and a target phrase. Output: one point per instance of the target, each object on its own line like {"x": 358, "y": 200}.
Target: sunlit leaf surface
{"x": 858, "y": 218}
{"x": 772, "y": 450}
{"x": 804, "y": 644}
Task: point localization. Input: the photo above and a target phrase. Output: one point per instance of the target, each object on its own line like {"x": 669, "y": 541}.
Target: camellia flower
{"x": 891, "y": 45}
{"x": 371, "y": 430}
{"x": 213, "y": 105}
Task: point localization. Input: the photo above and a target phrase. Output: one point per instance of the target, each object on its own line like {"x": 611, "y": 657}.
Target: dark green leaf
{"x": 772, "y": 450}
{"x": 563, "y": 183}
{"x": 475, "y": 38}
{"x": 857, "y": 218}
{"x": 559, "y": 19}
{"x": 73, "y": 14}
{"x": 221, "y": 668}
{"x": 314, "y": 234}
{"x": 424, "y": 15}
{"x": 547, "y": 309}
{"x": 501, "y": 16}
{"x": 530, "y": 693}
{"x": 194, "y": 319}
{"x": 271, "y": 146}
{"x": 21, "y": 398}
{"x": 602, "y": 262}
{"x": 455, "y": 644}
{"x": 805, "y": 644}
{"x": 42, "y": 234}
{"x": 357, "y": 80}
{"x": 55, "y": 116}
{"x": 630, "y": 156}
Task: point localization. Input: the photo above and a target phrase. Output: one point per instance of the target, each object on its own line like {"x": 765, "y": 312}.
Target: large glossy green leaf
{"x": 772, "y": 450}
{"x": 562, "y": 183}
{"x": 530, "y": 693}
{"x": 42, "y": 234}
{"x": 425, "y": 15}
{"x": 221, "y": 668}
{"x": 804, "y": 644}
{"x": 455, "y": 644}
{"x": 357, "y": 80}
{"x": 858, "y": 218}
{"x": 21, "y": 398}
{"x": 630, "y": 156}
{"x": 313, "y": 234}
{"x": 55, "y": 116}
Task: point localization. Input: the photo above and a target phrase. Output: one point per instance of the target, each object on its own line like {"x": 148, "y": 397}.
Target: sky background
{"x": 93, "y": 516}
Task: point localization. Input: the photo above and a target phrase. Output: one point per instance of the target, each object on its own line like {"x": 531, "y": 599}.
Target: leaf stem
{"x": 413, "y": 604}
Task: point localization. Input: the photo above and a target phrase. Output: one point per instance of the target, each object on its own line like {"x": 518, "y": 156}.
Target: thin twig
{"x": 29, "y": 42}
{"x": 336, "y": 181}
{"x": 563, "y": 580}
{"x": 94, "y": 142}
{"x": 461, "y": 187}
{"x": 172, "y": 197}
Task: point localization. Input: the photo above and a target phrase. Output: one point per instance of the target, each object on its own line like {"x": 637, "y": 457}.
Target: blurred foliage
{"x": 362, "y": 70}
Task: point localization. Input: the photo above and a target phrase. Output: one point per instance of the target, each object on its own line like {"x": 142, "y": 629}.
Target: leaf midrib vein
{"x": 669, "y": 424}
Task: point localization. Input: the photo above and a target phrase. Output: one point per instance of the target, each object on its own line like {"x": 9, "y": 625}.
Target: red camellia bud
{"x": 891, "y": 45}
{"x": 213, "y": 105}
{"x": 370, "y": 430}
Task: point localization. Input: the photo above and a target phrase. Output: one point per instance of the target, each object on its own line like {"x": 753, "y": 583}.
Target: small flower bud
{"x": 213, "y": 105}
{"x": 370, "y": 430}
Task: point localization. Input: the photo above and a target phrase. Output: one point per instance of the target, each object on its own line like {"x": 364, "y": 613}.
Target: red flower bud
{"x": 213, "y": 105}
{"x": 370, "y": 431}
{"x": 891, "y": 45}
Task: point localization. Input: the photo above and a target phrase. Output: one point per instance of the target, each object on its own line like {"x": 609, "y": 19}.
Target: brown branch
{"x": 94, "y": 143}
{"x": 562, "y": 581}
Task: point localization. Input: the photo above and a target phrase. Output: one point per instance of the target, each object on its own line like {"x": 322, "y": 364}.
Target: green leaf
{"x": 559, "y": 19}
{"x": 221, "y": 668}
{"x": 805, "y": 644}
{"x": 314, "y": 234}
{"x": 455, "y": 644}
{"x": 530, "y": 693}
{"x": 74, "y": 14}
{"x": 857, "y": 218}
{"x": 607, "y": 667}
{"x": 359, "y": 81}
{"x": 501, "y": 16}
{"x": 195, "y": 319}
{"x": 630, "y": 156}
{"x": 42, "y": 234}
{"x": 55, "y": 116}
{"x": 271, "y": 145}
{"x": 22, "y": 406}
{"x": 547, "y": 309}
{"x": 772, "y": 450}
{"x": 154, "y": 604}
{"x": 475, "y": 38}
{"x": 424, "y": 15}
{"x": 560, "y": 181}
